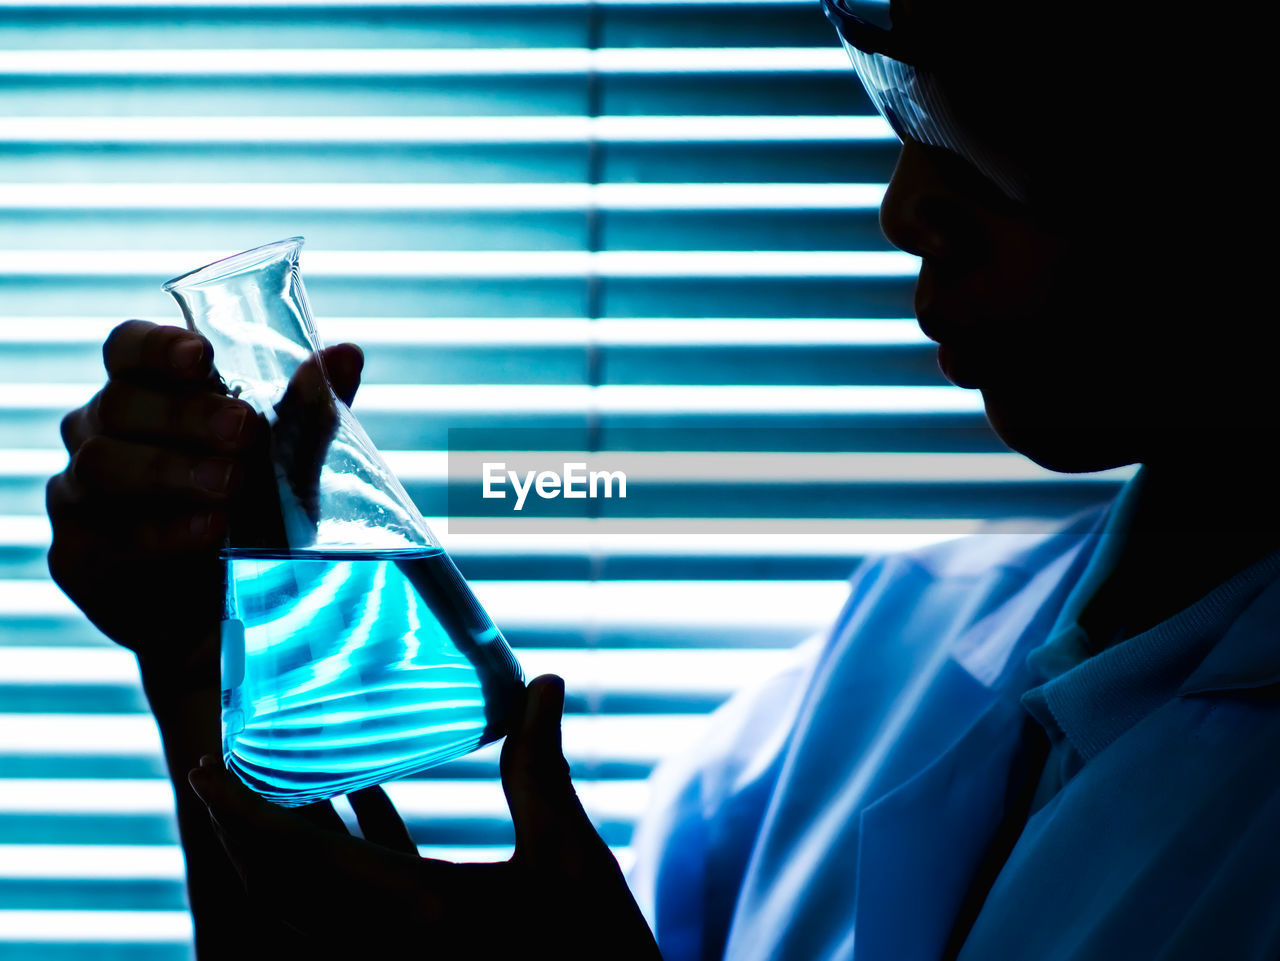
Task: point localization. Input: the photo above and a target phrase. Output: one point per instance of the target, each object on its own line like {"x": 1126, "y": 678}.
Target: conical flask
{"x": 353, "y": 652}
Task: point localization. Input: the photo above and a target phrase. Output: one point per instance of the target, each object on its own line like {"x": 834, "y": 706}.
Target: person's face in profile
{"x": 995, "y": 291}
{"x": 1090, "y": 349}
{"x": 1104, "y": 330}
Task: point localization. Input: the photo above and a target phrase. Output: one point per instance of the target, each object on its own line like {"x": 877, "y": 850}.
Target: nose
{"x": 922, "y": 213}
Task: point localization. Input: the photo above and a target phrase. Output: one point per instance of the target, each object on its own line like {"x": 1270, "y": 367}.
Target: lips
{"x": 958, "y": 337}
{"x": 960, "y": 358}
{"x": 961, "y": 352}
{"x": 961, "y": 368}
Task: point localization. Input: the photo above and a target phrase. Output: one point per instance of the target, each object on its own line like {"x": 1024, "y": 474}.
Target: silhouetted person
{"x": 1012, "y": 746}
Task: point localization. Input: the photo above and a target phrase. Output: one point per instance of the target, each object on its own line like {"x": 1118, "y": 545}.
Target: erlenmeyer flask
{"x": 353, "y": 652}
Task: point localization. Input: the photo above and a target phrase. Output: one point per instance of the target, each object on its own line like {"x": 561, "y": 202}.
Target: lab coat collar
{"x": 1248, "y": 656}
{"x": 1107, "y": 539}
{"x": 994, "y": 649}
{"x": 920, "y": 843}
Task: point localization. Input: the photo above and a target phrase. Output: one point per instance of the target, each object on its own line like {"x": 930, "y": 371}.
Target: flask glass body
{"x": 353, "y": 652}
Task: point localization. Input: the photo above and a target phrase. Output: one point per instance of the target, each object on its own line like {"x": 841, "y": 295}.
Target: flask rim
{"x": 227, "y": 266}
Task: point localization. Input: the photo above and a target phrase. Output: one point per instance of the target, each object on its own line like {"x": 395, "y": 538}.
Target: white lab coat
{"x": 857, "y": 790}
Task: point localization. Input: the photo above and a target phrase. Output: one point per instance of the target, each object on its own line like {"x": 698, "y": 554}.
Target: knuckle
{"x": 89, "y": 461}
{"x": 155, "y": 340}
{"x": 59, "y": 561}
{"x": 113, "y": 404}
{"x": 188, "y": 417}
{"x": 155, "y": 468}
{"x": 169, "y": 537}
{"x": 120, "y": 342}
{"x": 69, "y": 427}
{"x": 201, "y": 529}
{"x": 55, "y": 494}
{"x": 56, "y": 561}
{"x": 162, "y": 468}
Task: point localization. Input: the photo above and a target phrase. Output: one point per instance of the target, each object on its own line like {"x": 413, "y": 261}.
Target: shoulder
{"x": 922, "y": 591}
{"x": 1020, "y": 545}
{"x": 896, "y": 600}
{"x": 889, "y": 592}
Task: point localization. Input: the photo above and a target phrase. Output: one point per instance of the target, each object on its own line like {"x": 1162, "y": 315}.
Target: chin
{"x": 1068, "y": 442}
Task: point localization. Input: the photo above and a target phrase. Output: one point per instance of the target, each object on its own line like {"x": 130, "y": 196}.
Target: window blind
{"x": 655, "y": 222}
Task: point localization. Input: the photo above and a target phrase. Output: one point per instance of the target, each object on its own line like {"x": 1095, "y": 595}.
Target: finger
{"x": 541, "y": 723}
{"x": 181, "y": 535}
{"x": 251, "y": 828}
{"x": 323, "y": 882}
{"x": 140, "y": 350}
{"x": 245, "y": 817}
{"x": 550, "y": 823}
{"x": 308, "y": 387}
{"x": 105, "y": 466}
{"x": 81, "y": 524}
{"x": 78, "y": 426}
{"x": 307, "y": 418}
{"x": 201, "y": 420}
{"x": 379, "y": 820}
{"x": 323, "y": 816}
{"x": 344, "y": 364}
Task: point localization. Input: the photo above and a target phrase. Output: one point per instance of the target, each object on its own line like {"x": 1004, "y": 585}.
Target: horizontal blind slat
{"x": 375, "y": 197}
{"x": 316, "y": 63}
{"x": 665, "y": 130}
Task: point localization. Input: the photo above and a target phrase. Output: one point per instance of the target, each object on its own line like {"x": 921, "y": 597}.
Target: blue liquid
{"x": 342, "y": 670}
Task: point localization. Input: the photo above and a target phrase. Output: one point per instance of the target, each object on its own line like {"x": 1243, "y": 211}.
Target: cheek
{"x": 1040, "y": 309}
{"x": 1064, "y": 305}
{"x": 1068, "y": 352}
{"x": 1095, "y": 353}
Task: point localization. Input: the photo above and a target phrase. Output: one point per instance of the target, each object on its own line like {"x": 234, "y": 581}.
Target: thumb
{"x": 576, "y": 883}
{"x": 344, "y": 364}
{"x": 549, "y": 820}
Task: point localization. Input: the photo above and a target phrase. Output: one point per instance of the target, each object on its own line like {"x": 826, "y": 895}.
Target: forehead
{"x": 921, "y": 13}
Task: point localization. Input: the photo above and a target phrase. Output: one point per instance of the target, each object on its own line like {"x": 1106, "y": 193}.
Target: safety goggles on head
{"x": 894, "y": 67}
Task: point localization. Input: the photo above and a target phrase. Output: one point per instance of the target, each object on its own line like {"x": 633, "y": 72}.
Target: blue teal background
{"x": 651, "y": 224}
